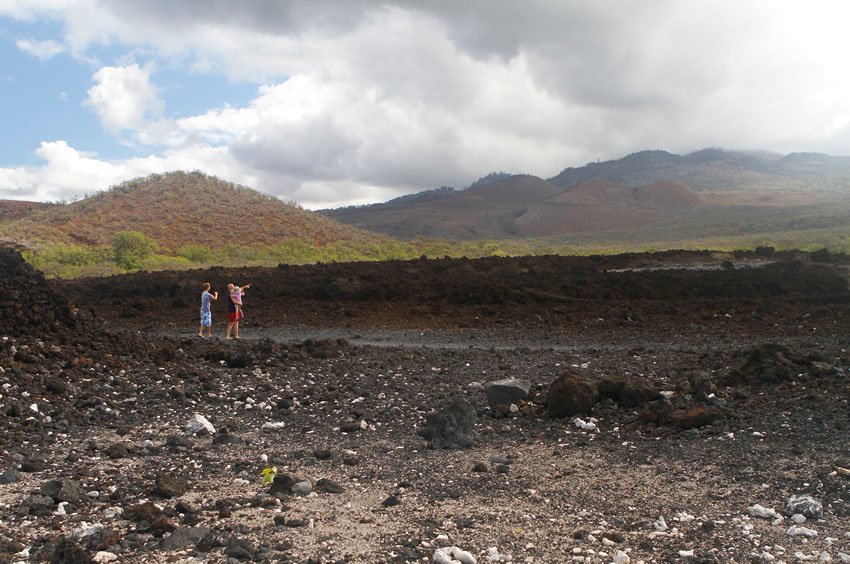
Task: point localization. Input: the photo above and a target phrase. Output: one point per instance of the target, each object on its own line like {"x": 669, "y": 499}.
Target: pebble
{"x": 272, "y": 426}
{"x": 112, "y": 513}
{"x": 763, "y": 512}
{"x": 302, "y": 488}
{"x": 621, "y": 557}
{"x": 805, "y": 505}
{"x": 585, "y": 425}
{"x": 452, "y": 555}
{"x": 795, "y": 531}
{"x": 199, "y": 424}
{"x": 493, "y": 555}
{"x": 104, "y": 556}
{"x": 798, "y": 518}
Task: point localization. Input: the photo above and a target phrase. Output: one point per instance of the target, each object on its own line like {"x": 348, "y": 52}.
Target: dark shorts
{"x": 235, "y": 316}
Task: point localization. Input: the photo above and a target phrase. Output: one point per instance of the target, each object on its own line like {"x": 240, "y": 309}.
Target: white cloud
{"x": 68, "y": 172}
{"x": 123, "y": 97}
{"x": 371, "y": 99}
{"x": 42, "y": 50}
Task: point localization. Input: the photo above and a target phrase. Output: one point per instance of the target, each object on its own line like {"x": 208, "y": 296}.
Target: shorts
{"x": 235, "y": 316}
{"x": 206, "y": 318}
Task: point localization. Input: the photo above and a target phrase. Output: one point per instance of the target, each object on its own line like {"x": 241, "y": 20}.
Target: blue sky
{"x": 336, "y": 102}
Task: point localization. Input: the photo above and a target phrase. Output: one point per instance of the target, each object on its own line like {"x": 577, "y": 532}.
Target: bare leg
{"x": 200, "y": 330}
{"x": 236, "y": 330}
{"x": 229, "y": 329}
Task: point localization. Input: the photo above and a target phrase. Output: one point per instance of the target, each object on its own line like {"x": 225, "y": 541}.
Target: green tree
{"x": 196, "y": 253}
{"x": 131, "y": 248}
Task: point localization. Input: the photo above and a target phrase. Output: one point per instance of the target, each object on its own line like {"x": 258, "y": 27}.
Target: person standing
{"x": 206, "y": 313}
{"x": 234, "y": 311}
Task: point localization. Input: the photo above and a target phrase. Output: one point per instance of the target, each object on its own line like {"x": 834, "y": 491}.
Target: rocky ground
{"x": 692, "y": 414}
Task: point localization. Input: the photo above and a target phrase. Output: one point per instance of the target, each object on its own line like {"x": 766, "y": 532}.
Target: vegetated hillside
{"x": 177, "y": 209}
{"x": 524, "y": 206}
{"x": 11, "y": 210}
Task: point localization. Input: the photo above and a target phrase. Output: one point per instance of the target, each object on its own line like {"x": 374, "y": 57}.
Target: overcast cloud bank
{"x": 362, "y": 101}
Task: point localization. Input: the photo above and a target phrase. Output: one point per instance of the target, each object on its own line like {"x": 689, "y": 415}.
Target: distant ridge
{"x": 652, "y": 187}
{"x": 177, "y": 209}
{"x": 524, "y": 206}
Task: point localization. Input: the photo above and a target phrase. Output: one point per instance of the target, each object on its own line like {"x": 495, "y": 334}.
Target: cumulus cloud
{"x": 123, "y": 97}
{"x": 42, "y": 50}
{"x": 68, "y": 172}
{"x": 363, "y": 100}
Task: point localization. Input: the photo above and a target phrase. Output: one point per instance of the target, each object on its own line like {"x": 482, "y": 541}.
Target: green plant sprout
{"x": 268, "y": 474}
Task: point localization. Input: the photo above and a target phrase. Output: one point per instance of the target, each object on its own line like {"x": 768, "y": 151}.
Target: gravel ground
{"x": 104, "y": 467}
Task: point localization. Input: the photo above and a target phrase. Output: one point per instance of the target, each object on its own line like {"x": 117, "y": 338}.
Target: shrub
{"x": 131, "y": 248}
{"x": 196, "y": 253}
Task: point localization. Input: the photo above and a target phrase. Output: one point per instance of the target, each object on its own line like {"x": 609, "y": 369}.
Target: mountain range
{"x": 642, "y": 191}
{"x": 651, "y": 198}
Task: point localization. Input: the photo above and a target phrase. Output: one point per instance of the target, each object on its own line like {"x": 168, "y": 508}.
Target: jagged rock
{"x": 199, "y": 424}
{"x": 571, "y": 394}
{"x": 450, "y": 428}
{"x": 168, "y": 486}
{"x": 804, "y": 505}
{"x": 506, "y": 392}
{"x": 63, "y": 490}
{"x": 183, "y": 537}
{"x": 697, "y": 416}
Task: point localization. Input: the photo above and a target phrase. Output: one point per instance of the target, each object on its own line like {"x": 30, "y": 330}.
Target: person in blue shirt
{"x": 206, "y": 314}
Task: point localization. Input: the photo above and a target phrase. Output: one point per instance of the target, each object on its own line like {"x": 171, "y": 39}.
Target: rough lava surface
{"x": 713, "y": 426}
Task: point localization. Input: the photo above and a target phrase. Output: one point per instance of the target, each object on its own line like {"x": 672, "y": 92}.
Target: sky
{"x": 327, "y": 103}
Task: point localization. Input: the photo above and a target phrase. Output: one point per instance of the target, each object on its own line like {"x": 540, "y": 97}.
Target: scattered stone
{"x": 10, "y": 477}
{"x": 506, "y": 392}
{"x": 696, "y": 416}
{"x": 183, "y": 537}
{"x": 302, "y": 487}
{"x": 117, "y": 450}
{"x": 762, "y": 512}
{"x": 493, "y": 555}
{"x": 451, "y": 428}
{"x": 391, "y": 501}
{"x": 68, "y": 551}
{"x": 572, "y": 393}
{"x": 168, "y": 486}
{"x": 329, "y": 486}
{"x": 272, "y": 426}
{"x": 178, "y": 441}
{"x": 350, "y": 427}
{"x": 34, "y": 465}
{"x": 452, "y": 555}
{"x": 804, "y": 505}
{"x": 322, "y": 454}
{"x": 795, "y": 531}
{"x": 63, "y": 490}
{"x": 240, "y": 549}
{"x": 200, "y": 425}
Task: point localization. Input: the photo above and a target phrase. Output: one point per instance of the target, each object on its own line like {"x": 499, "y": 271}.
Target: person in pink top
{"x": 234, "y": 308}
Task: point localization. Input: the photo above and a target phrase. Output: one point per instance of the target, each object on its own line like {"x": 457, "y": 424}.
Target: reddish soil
{"x": 718, "y": 389}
